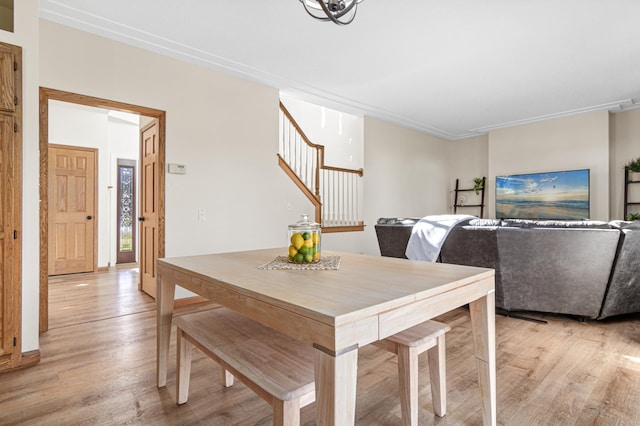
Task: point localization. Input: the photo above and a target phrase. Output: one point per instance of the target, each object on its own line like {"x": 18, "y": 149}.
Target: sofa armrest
{"x": 393, "y": 235}
{"x": 623, "y": 294}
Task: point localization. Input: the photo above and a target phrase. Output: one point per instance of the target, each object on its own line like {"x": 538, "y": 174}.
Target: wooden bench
{"x": 280, "y": 369}
{"x": 408, "y": 344}
{"x": 276, "y": 367}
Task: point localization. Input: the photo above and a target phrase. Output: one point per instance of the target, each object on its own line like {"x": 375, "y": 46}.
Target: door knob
{"x": 89, "y": 217}
{"x": 141, "y": 219}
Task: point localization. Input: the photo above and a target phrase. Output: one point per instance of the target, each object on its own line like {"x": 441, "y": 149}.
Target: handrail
{"x": 358, "y": 172}
{"x": 315, "y": 200}
{"x": 321, "y": 164}
{"x": 294, "y": 123}
{"x": 319, "y": 148}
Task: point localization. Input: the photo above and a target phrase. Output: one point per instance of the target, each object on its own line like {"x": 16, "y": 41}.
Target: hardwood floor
{"x": 98, "y": 367}
{"x": 79, "y": 298}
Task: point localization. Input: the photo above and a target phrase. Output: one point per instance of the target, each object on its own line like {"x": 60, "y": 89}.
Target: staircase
{"x": 335, "y": 192}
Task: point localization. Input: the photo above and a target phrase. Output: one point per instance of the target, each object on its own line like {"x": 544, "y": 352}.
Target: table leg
{"x": 164, "y": 310}
{"x": 483, "y": 323}
{"x": 336, "y": 378}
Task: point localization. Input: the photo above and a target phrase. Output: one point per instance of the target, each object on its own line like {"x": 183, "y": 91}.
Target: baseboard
{"x": 31, "y": 358}
{"x": 28, "y": 359}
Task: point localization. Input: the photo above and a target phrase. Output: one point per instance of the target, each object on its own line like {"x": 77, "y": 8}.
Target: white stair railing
{"x": 335, "y": 192}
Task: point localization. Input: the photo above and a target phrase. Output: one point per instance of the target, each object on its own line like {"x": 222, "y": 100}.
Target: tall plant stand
{"x": 457, "y": 201}
{"x": 629, "y": 180}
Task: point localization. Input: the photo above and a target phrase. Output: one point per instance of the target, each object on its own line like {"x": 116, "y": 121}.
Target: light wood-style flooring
{"x": 98, "y": 367}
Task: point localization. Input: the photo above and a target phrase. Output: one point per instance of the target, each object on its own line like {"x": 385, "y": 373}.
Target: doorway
{"x": 158, "y": 116}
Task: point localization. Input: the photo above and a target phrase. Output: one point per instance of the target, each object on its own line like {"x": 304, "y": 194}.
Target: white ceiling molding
{"x": 452, "y": 72}
{"x": 608, "y": 107}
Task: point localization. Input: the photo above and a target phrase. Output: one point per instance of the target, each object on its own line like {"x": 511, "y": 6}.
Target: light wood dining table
{"x": 366, "y": 299}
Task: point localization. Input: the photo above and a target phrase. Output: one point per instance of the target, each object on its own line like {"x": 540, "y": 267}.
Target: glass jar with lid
{"x": 304, "y": 241}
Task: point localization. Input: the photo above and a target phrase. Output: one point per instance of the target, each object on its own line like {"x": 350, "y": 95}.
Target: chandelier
{"x": 339, "y": 12}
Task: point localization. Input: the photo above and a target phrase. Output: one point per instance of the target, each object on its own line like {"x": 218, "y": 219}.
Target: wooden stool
{"x": 276, "y": 367}
{"x": 408, "y": 344}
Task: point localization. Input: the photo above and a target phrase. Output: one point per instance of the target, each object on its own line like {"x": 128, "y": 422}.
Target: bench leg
{"x": 183, "y": 369}
{"x": 438, "y": 376}
{"x": 286, "y": 413}
{"x": 408, "y": 375}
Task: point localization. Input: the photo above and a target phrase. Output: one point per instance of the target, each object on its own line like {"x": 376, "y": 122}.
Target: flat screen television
{"x": 549, "y": 195}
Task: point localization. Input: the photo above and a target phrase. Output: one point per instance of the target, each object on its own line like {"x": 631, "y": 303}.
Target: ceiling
{"x": 450, "y": 68}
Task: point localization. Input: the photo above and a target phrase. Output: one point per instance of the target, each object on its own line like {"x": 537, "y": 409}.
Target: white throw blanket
{"x": 428, "y": 235}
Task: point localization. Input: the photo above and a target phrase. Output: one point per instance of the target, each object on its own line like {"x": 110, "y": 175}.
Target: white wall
{"x": 405, "y": 174}
{"x": 341, "y": 133}
{"x": 114, "y": 138}
{"x": 625, "y": 146}
{"x": 468, "y": 159}
{"x": 570, "y": 143}
{"x": 222, "y": 128}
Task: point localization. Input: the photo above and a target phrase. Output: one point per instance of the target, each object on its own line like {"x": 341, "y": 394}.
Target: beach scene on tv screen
{"x": 550, "y": 195}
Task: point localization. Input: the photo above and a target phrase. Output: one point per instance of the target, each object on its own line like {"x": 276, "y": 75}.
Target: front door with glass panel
{"x": 126, "y": 211}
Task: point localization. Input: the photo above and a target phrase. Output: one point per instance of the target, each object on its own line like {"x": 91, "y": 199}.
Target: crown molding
{"x": 54, "y": 11}
{"x": 602, "y": 107}
{"x": 78, "y": 19}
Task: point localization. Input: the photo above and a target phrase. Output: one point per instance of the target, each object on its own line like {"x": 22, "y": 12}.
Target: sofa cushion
{"x": 393, "y": 235}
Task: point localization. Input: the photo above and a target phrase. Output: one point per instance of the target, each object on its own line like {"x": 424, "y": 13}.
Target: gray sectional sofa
{"x": 590, "y": 269}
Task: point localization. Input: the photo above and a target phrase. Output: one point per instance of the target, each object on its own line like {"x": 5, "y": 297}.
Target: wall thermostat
{"x": 178, "y": 169}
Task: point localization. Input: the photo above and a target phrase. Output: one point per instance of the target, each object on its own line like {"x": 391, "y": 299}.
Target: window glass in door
{"x": 126, "y": 211}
